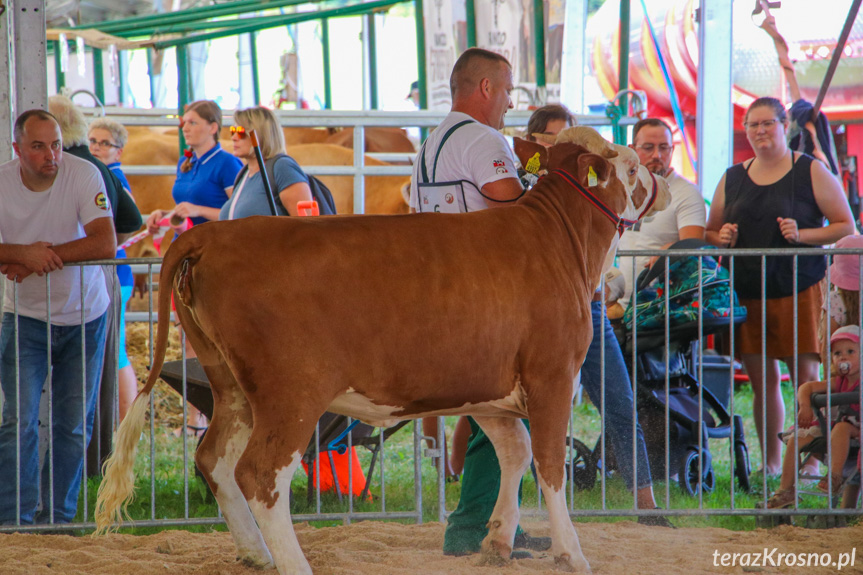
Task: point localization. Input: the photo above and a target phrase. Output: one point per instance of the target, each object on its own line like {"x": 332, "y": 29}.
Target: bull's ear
{"x": 533, "y": 156}
{"x": 593, "y": 170}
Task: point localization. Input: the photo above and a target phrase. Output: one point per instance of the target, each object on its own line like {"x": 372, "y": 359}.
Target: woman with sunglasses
{"x": 288, "y": 181}
{"x": 778, "y": 199}
{"x": 205, "y": 173}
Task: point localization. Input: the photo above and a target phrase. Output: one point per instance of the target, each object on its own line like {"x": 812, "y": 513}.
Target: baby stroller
{"x": 691, "y": 463}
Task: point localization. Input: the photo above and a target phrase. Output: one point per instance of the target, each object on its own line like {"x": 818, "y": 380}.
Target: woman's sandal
{"x": 781, "y": 499}
{"x": 837, "y": 484}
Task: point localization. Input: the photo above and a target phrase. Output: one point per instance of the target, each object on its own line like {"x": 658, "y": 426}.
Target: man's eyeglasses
{"x": 650, "y": 148}
{"x": 754, "y": 126}
{"x": 103, "y": 143}
{"x": 239, "y": 130}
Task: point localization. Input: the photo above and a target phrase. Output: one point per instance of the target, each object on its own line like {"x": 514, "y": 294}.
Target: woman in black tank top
{"x": 779, "y": 199}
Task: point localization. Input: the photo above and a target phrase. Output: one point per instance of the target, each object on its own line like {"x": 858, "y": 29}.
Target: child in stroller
{"x": 697, "y": 301}
{"x": 845, "y": 359}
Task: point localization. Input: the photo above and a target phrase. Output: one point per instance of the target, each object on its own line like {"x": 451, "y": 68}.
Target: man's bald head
{"x": 471, "y": 67}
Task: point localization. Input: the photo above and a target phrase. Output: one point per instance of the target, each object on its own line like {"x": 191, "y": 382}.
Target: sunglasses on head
{"x": 239, "y": 130}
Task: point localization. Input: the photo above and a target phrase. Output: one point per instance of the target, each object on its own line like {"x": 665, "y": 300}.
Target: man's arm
{"x": 38, "y": 258}
{"x": 691, "y": 232}
{"x": 502, "y": 192}
{"x": 100, "y": 243}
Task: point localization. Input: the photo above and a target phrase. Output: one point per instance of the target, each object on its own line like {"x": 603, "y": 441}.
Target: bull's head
{"x": 644, "y": 194}
{"x": 633, "y": 194}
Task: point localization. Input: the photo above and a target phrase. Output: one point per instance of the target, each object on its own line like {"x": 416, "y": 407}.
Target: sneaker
{"x": 525, "y": 541}
{"x": 516, "y": 554}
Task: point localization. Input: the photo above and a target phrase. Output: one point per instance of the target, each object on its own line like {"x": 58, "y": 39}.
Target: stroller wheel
{"x": 690, "y": 481}
{"x": 741, "y": 465}
{"x": 582, "y": 468}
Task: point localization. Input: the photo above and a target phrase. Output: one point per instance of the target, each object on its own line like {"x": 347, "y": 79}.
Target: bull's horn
{"x": 544, "y": 138}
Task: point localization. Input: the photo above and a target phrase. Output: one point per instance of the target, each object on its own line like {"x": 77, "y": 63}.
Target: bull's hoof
{"x": 566, "y": 563}
{"x": 495, "y": 554}
{"x": 256, "y": 562}
{"x": 492, "y": 560}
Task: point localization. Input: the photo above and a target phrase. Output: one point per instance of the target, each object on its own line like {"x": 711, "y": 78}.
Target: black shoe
{"x": 525, "y": 541}
{"x": 517, "y": 554}
{"x": 458, "y": 553}
{"x": 655, "y": 521}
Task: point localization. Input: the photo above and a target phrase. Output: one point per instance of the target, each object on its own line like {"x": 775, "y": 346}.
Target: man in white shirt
{"x": 466, "y": 165}
{"x": 53, "y": 211}
{"x": 684, "y": 218}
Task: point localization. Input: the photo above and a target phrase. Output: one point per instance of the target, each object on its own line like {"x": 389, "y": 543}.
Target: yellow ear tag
{"x": 592, "y": 180}
{"x": 533, "y": 164}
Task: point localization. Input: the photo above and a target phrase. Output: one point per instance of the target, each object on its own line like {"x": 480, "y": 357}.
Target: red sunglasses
{"x": 239, "y": 130}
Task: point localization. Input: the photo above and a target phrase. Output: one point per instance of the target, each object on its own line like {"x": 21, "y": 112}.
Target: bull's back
{"x": 442, "y": 298}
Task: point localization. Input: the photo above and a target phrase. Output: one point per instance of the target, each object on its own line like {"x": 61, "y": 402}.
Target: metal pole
{"x": 328, "y": 83}
{"x": 421, "y": 59}
{"x": 373, "y": 61}
{"x": 29, "y": 49}
{"x": 182, "y": 87}
{"x": 539, "y": 30}
{"x": 253, "y": 24}
{"x": 623, "y": 66}
{"x": 150, "y": 73}
{"x": 116, "y": 27}
{"x": 98, "y": 74}
{"x": 265, "y": 178}
{"x": 121, "y": 77}
{"x": 421, "y": 53}
{"x": 364, "y": 57}
{"x": 59, "y": 74}
{"x": 7, "y": 104}
{"x": 470, "y": 11}
{"x": 834, "y": 61}
{"x": 256, "y": 80}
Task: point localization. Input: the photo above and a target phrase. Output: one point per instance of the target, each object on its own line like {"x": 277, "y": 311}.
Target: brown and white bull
{"x": 385, "y": 318}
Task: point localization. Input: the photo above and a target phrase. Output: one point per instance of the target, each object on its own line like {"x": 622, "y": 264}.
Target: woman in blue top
{"x": 290, "y": 184}
{"x": 205, "y": 176}
{"x": 205, "y": 179}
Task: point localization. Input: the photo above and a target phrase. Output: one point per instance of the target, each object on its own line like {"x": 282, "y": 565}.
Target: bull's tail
{"x": 118, "y": 483}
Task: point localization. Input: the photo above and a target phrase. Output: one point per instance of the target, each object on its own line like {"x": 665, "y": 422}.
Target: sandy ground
{"x": 377, "y": 548}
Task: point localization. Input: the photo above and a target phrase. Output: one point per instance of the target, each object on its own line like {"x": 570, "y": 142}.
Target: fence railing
{"x": 695, "y": 413}
{"x": 357, "y": 119}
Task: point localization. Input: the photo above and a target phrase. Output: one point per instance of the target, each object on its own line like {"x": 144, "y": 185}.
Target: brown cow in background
{"x": 146, "y": 146}
{"x": 151, "y": 147}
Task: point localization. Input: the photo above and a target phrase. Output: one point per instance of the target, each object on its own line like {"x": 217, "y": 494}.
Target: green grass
{"x": 171, "y": 503}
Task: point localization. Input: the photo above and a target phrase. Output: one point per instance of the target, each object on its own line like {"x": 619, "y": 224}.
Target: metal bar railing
{"x": 702, "y": 505}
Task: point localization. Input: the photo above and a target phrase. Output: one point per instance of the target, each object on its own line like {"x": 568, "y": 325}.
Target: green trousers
{"x": 480, "y": 484}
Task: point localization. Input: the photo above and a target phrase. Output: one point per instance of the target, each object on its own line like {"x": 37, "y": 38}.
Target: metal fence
{"x": 711, "y": 452}
{"x": 359, "y": 120}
